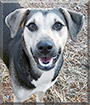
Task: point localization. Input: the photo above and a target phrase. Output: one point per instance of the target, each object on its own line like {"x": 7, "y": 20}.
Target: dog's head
{"x": 45, "y": 32}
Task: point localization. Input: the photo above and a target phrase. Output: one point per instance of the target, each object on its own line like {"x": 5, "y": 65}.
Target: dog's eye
{"x": 57, "y": 26}
{"x": 32, "y": 27}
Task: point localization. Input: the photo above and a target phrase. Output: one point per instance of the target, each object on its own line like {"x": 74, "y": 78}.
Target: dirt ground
{"x": 71, "y": 85}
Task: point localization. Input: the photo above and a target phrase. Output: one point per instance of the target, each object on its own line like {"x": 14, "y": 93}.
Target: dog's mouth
{"x": 46, "y": 63}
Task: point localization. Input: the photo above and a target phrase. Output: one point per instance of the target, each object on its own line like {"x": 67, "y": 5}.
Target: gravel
{"x": 71, "y": 85}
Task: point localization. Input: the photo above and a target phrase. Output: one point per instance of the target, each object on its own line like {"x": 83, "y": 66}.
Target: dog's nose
{"x": 45, "y": 47}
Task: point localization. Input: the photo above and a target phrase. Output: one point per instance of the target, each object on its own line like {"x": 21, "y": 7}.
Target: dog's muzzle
{"x": 45, "y": 54}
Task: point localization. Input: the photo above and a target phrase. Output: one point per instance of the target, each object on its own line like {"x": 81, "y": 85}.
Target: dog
{"x": 33, "y": 47}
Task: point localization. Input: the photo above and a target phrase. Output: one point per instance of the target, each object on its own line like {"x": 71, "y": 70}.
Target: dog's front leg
{"x": 17, "y": 100}
{"x": 39, "y": 97}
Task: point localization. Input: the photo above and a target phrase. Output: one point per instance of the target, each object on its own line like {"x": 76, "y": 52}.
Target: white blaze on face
{"x": 59, "y": 37}
{"x": 44, "y": 24}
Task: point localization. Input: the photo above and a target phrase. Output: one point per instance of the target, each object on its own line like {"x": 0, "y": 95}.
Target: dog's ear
{"x": 74, "y": 21}
{"x": 15, "y": 19}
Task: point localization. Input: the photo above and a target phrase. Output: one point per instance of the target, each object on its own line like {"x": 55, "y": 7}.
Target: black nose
{"x": 45, "y": 47}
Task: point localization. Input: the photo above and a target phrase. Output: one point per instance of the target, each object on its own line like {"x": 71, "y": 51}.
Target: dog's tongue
{"x": 45, "y": 59}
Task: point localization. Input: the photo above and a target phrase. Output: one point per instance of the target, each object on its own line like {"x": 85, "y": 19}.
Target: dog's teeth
{"x": 55, "y": 57}
{"x": 45, "y": 65}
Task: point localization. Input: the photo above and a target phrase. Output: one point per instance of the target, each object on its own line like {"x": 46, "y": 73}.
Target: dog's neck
{"x": 24, "y": 69}
{"x": 35, "y": 73}
{"x": 58, "y": 68}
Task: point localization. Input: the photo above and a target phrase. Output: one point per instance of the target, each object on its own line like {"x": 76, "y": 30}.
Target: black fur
{"x": 60, "y": 63}
{"x": 24, "y": 71}
{"x": 7, "y": 8}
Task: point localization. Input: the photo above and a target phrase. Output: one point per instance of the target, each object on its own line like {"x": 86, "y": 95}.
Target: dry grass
{"x": 71, "y": 85}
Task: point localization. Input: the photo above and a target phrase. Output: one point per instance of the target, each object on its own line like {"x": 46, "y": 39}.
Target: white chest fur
{"x": 44, "y": 82}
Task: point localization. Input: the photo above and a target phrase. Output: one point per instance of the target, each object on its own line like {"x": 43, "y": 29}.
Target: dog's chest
{"x": 44, "y": 82}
